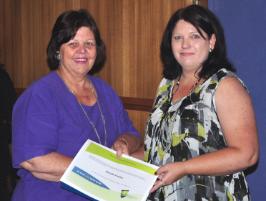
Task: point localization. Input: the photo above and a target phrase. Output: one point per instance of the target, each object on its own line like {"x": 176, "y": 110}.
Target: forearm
{"x": 222, "y": 162}
{"x": 46, "y": 176}
{"x": 48, "y": 167}
{"x": 139, "y": 154}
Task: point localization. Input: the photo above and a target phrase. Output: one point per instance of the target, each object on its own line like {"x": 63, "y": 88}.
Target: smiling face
{"x": 78, "y": 54}
{"x": 189, "y": 48}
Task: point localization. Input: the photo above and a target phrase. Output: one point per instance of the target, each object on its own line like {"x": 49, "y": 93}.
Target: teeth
{"x": 81, "y": 59}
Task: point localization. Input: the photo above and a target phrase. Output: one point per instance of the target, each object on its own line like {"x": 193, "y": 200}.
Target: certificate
{"x": 97, "y": 173}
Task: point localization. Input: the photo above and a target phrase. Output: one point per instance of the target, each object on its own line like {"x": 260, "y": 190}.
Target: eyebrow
{"x": 78, "y": 40}
{"x": 192, "y": 32}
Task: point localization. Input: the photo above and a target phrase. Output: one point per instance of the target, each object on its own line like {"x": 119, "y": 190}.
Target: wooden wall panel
{"x": 133, "y": 67}
{"x": 131, "y": 29}
{"x": 139, "y": 119}
{"x": 9, "y": 36}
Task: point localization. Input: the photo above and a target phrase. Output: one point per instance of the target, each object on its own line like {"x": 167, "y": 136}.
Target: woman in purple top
{"x": 59, "y": 112}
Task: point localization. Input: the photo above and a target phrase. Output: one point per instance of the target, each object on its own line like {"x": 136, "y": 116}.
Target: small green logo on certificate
{"x": 124, "y": 193}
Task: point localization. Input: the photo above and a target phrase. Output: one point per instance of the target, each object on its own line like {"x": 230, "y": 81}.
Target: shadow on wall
{"x": 8, "y": 97}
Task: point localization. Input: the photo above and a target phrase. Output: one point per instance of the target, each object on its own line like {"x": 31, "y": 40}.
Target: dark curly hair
{"x": 203, "y": 20}
{"x": 65, "y": 29}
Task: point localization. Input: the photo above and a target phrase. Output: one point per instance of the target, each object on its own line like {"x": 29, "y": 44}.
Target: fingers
{"x": 168, "y": 174}
{"x": 161, "y": 179}
{"x": 159, "y": 183}
{"x": 162, "y": 170}
{"x": 121, "y": 147}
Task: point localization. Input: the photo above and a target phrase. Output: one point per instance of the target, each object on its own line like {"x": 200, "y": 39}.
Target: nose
{"x": 82, "y": 49}
{"x": 185, "y": 43}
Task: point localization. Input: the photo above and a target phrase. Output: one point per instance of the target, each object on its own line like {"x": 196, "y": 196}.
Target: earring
{"x": 210, "y": 50}
{"x": 58, "y": 56}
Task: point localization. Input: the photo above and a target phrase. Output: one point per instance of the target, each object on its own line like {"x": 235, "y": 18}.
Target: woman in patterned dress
{"x": 202, "y": 130}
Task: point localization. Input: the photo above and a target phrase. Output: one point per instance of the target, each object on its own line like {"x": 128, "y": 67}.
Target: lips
{"x": 81, "y": 60}
{"x": 186, "y": 53}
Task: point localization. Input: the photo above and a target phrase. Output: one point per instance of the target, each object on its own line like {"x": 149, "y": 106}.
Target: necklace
{"x": 93, "y": 125}
{"x": 87, "y": 116}
{"x": 177, "y": 83}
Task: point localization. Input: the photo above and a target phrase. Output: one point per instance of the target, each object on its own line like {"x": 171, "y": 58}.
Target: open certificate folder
{"x": 96, "y": 172}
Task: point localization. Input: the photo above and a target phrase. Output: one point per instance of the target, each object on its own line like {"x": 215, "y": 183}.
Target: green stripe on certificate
{"x": 105, "y": 153}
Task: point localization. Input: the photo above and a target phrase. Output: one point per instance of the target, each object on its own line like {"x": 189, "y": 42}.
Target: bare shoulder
{"x": 233, "y": 102}
{"x": 231, "y": 88}
{"x": 231, "y": 82}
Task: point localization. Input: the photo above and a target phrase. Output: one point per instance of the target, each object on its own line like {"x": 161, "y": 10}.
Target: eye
{"x": 90, "y": 44}
{"x": 195, "y": 36}
{"x": 177, "y": 38}
{"x": 73, "y": 44}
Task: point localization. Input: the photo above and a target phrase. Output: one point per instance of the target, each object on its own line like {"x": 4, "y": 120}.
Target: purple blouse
{"x": 47, "y": 118}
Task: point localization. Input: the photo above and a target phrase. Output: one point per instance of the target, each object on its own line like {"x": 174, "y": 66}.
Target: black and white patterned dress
{"x": 187, "y": 129}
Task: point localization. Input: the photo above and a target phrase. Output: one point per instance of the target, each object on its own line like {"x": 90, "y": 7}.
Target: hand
{"x": 121, "y": 147}
{"x": 168, "y": 174}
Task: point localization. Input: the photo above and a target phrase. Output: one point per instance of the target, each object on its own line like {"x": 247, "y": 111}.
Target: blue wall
{"x": 244, "y": 22}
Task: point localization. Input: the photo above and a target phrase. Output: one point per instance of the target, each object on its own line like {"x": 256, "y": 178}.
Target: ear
{"x": 212, "y": 41}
